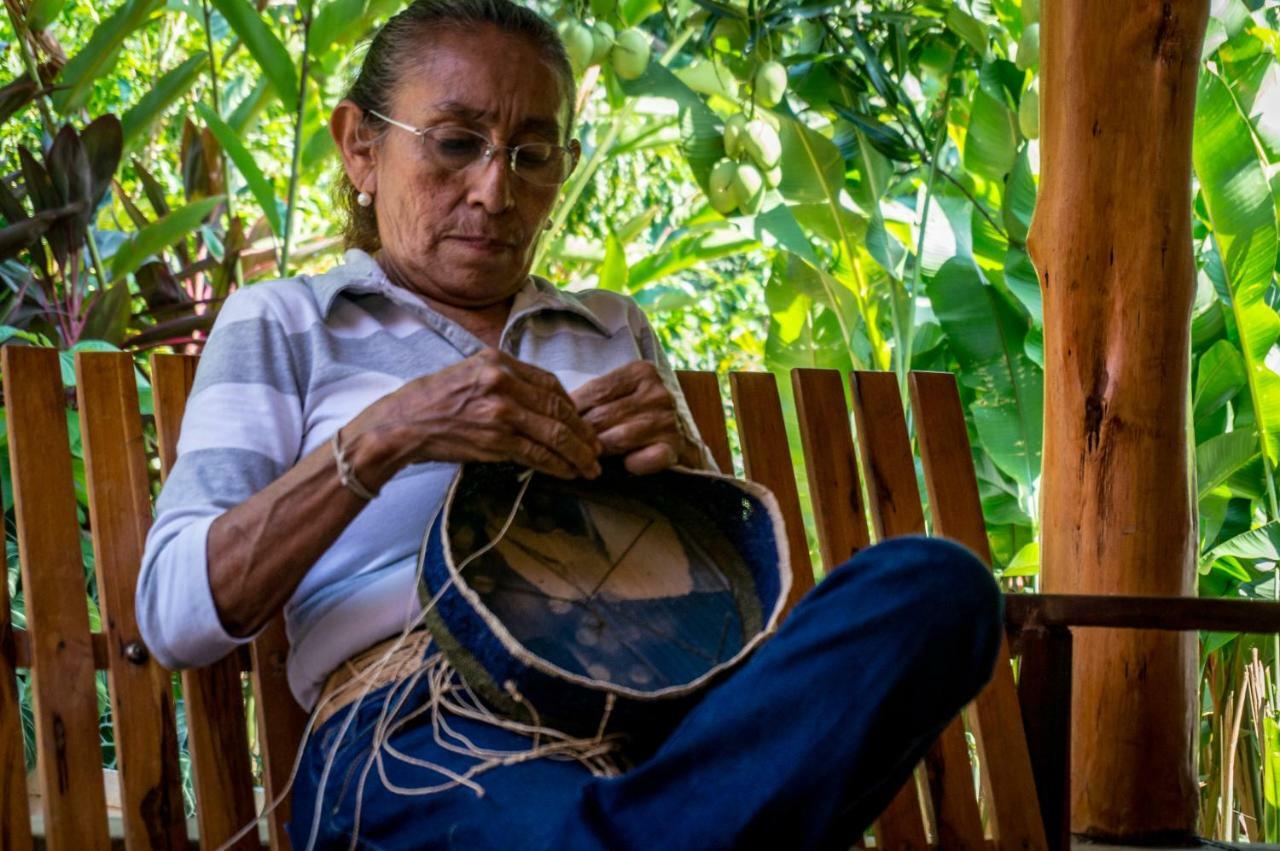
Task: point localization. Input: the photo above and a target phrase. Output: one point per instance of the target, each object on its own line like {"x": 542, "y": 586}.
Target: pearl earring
{"x": 364, "y": 199}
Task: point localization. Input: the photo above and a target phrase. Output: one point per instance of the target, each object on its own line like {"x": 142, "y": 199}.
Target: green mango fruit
{"x": 602, "y": 38}
{"x": 579, "y": 43}
{"x": 630, "y": 54}
{"x": 762, "y": 143}
{"x": 748, "y": 188}
{"x": 734, "y": 126}
{"x": 770, "y": 83}
{"x": 723, "y": 197}
{"x": 729, "y": 35}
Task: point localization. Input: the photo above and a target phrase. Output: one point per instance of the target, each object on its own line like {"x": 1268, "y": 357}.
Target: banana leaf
{"x": 1242, "y": 211}
{"x": 987, "y": 336}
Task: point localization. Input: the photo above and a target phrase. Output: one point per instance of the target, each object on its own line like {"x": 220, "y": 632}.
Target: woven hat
{"x": 612, "y": 602}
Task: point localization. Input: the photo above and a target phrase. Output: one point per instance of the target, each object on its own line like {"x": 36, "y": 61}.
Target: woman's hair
{"x": 401, "y": 41}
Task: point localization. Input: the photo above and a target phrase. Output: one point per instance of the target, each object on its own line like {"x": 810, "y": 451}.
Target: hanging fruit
{"x": 748, "y": 188}
{"x": 723, "y": 197}
{"x": 762, "y": 143}
{"x": 734, "y": 126}
{"x": 602, "y": 42}
{"x": 579, "y": 43}
{"x": 770, "y": 83}
{"x": 630, "y": 54}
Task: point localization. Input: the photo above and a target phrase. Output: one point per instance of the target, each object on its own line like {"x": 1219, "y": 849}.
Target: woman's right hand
{"x": 489, "y": 407}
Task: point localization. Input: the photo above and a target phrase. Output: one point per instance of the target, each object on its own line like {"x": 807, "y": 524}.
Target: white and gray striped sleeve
{"x": 242, "y": 429}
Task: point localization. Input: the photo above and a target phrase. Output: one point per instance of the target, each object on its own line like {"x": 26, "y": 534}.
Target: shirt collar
{"x": 360, "y": 273}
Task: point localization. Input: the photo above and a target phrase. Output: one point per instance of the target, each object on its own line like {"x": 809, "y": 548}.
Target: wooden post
{"x": 1111, "y": 240}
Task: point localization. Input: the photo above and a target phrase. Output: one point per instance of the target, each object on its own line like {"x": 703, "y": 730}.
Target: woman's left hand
{"x": 634, "y": 415}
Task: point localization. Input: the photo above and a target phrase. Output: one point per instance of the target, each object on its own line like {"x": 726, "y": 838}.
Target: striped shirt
{"x": 288, "y": 363}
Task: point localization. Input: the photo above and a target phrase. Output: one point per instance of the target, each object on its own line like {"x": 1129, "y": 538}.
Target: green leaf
{"x": 96, "y": 59}
{"x": 1019, "y": 197}
{"x": 812, "y": 166}
{"x": 987, "y": 336}
{"x": 701, "y": 140}
{"x": 261, "y": 188}
{"x": 1271, "y": 763}
{"x": 1242, "y": 210}
{"x": 685, "y": 251}
{"x": 173, "y": 85}
{"x": 41, "y": 13}
{"x": 160, "y": 234}
{"x": 333, "y": 25}
{"x": 613, "y": 271}
{"x": 1221, "y": 456}
{"x": 968, "y": 28}
{"x": 881, "y": 136}
{"x": 1219, "y": 377}
{"x": 265, "y": 47}
{"x": 1261, "y": 543}
{"x": 1025, "y": 563}
{"x": 991, "y": 141}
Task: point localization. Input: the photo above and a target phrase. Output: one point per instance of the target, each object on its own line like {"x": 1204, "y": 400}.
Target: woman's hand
{"x": 635, "y": 416}
{"x": 489, "y": 407}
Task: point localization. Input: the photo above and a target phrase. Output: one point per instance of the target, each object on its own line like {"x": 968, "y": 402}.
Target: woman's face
{"x": 465, "y": 238}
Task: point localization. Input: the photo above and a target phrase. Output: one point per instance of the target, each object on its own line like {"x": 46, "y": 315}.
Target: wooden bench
{"x": 1021, "y": 771}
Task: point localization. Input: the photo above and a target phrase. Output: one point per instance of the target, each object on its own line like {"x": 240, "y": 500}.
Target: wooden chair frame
{"x": 1023, "y": 769}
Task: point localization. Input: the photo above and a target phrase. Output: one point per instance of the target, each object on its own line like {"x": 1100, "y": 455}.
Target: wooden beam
{"x": 1111, "y": 239}
{"x": 1029, "y": 611}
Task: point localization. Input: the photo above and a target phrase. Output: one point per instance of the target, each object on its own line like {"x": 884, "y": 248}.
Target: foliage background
{"x": 895, "y": 238}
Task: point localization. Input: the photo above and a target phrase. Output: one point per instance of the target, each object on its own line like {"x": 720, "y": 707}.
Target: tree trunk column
{"x": 1111, "y": 239}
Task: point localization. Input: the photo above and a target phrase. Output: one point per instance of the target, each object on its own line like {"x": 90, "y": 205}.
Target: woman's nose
{"x": 490, "y": 184}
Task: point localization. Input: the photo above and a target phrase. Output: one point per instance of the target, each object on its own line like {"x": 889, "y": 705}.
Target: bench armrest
{"x": 1178, "y": 614}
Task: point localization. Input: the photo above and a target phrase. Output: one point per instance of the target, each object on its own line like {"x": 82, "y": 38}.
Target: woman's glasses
{"x": 454, "y": 148}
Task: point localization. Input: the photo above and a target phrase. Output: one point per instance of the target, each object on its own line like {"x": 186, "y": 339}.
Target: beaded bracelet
{"x": 346, "y": 474}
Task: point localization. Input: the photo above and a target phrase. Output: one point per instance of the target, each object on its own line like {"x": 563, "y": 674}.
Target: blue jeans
{"x": 801, "y": 747}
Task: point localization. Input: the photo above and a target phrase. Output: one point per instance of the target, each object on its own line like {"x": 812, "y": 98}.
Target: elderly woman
{"x": 330, "y": 413}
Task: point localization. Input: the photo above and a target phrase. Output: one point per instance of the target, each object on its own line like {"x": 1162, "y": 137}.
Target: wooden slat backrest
{"x": 217, "y": 736}
{"x": 766, "y": 457}
{"x": 702, "y": 393}
{"x": 65, "y": 695}
{"x": 957, "y": 513}
{"x": 895, "y": 502}
{"x": 280, "y": 723}
{"x": 836, "y": 498}
{"x": 15, "y": 815}
{"x": 835, "y": 493}
{"x": 146, "y": 737}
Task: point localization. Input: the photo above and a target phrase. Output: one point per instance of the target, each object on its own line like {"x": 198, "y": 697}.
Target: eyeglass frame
{"x": 490, "y": 148}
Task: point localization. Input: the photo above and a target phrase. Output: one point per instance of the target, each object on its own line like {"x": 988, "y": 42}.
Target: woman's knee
{"x": 954, "y": 593}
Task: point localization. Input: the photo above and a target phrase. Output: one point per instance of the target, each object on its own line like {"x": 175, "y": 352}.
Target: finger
{"x": 616, "y": 384}
{"x": 649, "y": 399}
{"x": 651, "y": 459}
{"x": 561, "y": 440}
{"x": 538, "y": 457}
{"x": 554, "y": 406}
{"x": 639, "y": 431}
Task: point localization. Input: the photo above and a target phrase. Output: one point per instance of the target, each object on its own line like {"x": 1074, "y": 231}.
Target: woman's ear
{"x": 356, "y": 145}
